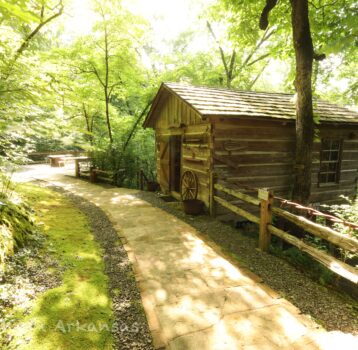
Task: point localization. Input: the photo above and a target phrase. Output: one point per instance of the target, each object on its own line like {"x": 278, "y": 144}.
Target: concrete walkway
{"x": 193, "y": 297}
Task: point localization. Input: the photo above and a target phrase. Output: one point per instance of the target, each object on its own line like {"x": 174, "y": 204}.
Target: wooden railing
{"x": 264, "y": 201}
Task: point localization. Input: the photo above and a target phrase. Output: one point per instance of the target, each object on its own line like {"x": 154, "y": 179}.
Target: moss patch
{"x": 77, "y": 314}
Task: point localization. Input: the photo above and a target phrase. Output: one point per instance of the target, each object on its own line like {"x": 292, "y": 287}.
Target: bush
{"x": 138, "y": 155}
{"x": 16, "y": 224}
{"x": 307, "y": 264}
{"x": 348, "y": 212}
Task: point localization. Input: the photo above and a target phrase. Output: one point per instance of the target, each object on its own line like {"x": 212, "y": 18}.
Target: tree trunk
{"x": 304, "y": 111}
{"x": 106, "y": 82}
{"x": 89, "y": 124}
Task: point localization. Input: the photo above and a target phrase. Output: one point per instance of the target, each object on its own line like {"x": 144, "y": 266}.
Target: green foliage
{"x": 26, "y": 106}
{"x": 237, "y": 25}
{"x": 333, "y": 31}
{"x": 126, "y": 164}
{"x": 348, "y": 212}
{"x": 6, "y": 186}
{"x": 16, "y": 221}
{"x": 18, "y": 9}
{"x": 305, "y": 263}
{"x": 60, "y": 94}
{"x": 103, "y": 89}
{"x": 17, "y": 218}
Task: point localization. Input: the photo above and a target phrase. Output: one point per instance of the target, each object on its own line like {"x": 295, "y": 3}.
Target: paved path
{"x": 193, "y": 297}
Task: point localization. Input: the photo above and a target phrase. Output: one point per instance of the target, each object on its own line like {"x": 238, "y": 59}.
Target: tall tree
{"x": 108, "y": 57}
{"x": 43, "y": 13}
{"x": 233, "y": 68}
{"x": 107, "y": 89}
{"x": 305, "y": 55}
{"x": 23, "y": 87}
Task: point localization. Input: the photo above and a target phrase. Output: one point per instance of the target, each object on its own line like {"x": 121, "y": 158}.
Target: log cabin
{"x": 247, "y": 138}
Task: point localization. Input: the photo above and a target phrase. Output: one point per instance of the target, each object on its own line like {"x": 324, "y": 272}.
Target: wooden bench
{"x": 58, "y": 160}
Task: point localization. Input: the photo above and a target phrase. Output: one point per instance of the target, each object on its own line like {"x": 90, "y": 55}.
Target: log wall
{"x": 260, "y": 153}
{"x": 349, "y": 164}
{"x": 242, "y": 151}
{"x": 254, "y": 153}
{"x": 196, "y": 156}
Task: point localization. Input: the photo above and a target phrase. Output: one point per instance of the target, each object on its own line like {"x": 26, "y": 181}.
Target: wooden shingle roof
{"x": 220, "y": 102}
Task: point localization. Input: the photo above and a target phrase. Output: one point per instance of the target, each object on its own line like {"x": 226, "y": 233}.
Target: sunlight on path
{"x": 193, "y": 297}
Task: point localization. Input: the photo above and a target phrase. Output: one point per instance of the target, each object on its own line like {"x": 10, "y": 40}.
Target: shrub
{"x": 16, "y": 224}
{"x": 348, "y": 212}
{"x": 138, "y": 155}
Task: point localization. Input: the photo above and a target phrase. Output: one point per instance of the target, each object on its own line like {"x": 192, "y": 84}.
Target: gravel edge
{"x": 130, "y": 331}
{"x": 25, "y": 278}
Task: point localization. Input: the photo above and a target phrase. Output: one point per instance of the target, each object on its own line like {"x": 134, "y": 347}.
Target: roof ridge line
{"x": 227, "y": 89}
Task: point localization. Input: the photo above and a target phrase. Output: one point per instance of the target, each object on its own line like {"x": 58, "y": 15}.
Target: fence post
{"x": 93, "y": 175}
{"x": 266, "y": 198}
{"x": 212, "y": 191}
{"x": 77, "y": 168}
{"x": 141, "y": 180}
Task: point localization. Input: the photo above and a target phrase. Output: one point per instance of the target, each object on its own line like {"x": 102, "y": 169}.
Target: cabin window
{"x": 330, "y": 162}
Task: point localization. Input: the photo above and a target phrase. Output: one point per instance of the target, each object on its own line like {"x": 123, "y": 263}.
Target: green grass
{"x": 77, "y": 314}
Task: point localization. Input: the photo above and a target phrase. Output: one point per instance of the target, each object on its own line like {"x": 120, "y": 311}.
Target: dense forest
{"x": 106, "y": 266}
{"x": 65, "y": 88}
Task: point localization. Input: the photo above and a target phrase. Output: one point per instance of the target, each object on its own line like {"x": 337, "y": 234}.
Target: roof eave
{"x": 163, "y": 86}
{"x": 286, "y": 119}
{"x": 147, "y": 121}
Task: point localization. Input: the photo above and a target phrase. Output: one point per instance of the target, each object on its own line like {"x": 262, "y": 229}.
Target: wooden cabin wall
{"x": 255, "y": 153}
{"x": 260, "y": 153}
{"x": 349, "y": 164}
{"x": 174, "y": 113}
{"x": 196, "y": 157}
{"x": 178, "y": 118}
{"x": 252, "y": 153}
{"x": 163, "y": 162}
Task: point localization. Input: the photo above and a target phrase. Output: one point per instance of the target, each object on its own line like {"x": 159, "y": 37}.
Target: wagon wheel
{"x": 189, "y": 185}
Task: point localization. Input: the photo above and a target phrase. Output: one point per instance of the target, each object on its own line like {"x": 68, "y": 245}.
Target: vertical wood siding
{"x": 178, "y": 118}
{"x": 173, "y": 112}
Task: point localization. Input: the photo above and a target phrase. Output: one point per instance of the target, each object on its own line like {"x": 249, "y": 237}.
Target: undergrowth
{"x": 16, "y": 221}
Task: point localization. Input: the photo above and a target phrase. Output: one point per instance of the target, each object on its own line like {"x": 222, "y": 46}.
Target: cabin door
{"x": 175, "y": 163}
{"x": 164, "y": 163}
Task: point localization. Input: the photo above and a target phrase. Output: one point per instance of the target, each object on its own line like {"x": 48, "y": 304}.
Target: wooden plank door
{"x": 164, "y": 164}
{"x": 175, "y": 163}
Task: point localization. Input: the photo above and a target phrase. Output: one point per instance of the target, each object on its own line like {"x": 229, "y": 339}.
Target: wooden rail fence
{"x": 265, "y": 202}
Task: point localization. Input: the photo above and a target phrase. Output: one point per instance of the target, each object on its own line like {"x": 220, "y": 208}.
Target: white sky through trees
{"x": 169, "y": 18}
